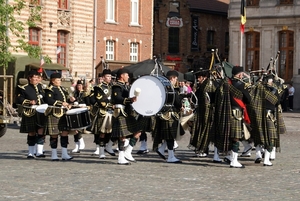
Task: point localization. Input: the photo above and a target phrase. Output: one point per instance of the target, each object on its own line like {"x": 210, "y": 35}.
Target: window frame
{"x": 34, "y": 32}
{"x": 133, "y": 52}
{"x": 62, "y": 56}
{"x": 252, "y": 50}
{"x": 252, "y": 2}
{"x": 287, "y": 53}
{"x": 134, "y": 17}
{"x": 63, "y": 4}
{"x": 286, "y": 2}
{"x": 173, "y": 42}
{"x": 110, "y": 11}
{"x": 110, "y": 50}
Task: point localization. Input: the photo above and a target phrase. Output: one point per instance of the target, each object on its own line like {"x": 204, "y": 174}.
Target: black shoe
{"x": 41, "y": 156}
{"x": 161, "y": 155}
{"x": 226, "y": 160}
{"x": 112, "y": 154}
{"x": 124, "y": 163}
{"x": 258, "y": 160}
{"x": 268, "y": 165}
{"x": 55, "y": 159}
{"x": 67, "y": 159}
{"x": 215, "y": 161}
{"x": 30, "y": 157}
{"x": 175, "y": 161}
{"x": 142, "y": 151}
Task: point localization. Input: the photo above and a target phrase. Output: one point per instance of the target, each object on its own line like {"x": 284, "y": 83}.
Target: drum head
{"x": 76, "y": 111}
{"x": 41, "y": 108}
{"x": 152, "y": 96}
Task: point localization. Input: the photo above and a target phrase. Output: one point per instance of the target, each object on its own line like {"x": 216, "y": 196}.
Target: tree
{"x": 11, "y": 26}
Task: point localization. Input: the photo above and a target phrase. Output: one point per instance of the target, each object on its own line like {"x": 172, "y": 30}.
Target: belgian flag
{"x": 243, "y": 16}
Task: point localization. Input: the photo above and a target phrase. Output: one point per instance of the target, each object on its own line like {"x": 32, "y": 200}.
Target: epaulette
{"x": 50, "y": 88}
{"x": 22, "y": 86}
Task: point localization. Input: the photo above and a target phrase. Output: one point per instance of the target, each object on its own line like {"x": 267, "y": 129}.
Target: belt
{"x": 119, "y": 106}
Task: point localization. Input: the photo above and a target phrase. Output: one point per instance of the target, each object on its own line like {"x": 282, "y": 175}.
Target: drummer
{"x": 29, "y": 96}
{"x": 124, "y": 125}
{"x": 81, "y": 97}
{"x": 56, "y": 123}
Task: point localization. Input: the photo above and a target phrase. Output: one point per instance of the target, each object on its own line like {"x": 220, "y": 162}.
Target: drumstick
{"x": 137, "y": 92}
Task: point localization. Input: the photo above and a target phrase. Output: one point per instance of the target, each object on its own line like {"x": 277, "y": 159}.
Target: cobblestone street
{"x": 87, "y": 177}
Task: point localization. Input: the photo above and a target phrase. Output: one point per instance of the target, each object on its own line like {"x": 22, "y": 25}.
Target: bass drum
{"x": 156, "y": 95}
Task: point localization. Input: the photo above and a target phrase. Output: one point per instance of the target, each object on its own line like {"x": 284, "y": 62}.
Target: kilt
{"x": 102, "y": 124}
{"x": 124, "y": 126}
{"x": 165, "y": 129}
{"x": 145, "y": 123}
{"x": 28, "y": 124}
{"x": 55, "y": 125}
{"x": 236, "y": 128}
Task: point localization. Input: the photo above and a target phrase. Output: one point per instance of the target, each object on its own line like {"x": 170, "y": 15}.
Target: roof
{"x": 210, "y": 5}
{"x": 52, "y": 66}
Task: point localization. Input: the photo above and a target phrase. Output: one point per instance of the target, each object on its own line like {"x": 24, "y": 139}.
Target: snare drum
{"x": 40, "y": 115}
{"x": 78, "y": 118}
{"x": 157, "y": 95}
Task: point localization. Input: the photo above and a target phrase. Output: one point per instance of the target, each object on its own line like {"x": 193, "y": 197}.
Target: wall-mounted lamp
{"x": 50, "y": 25}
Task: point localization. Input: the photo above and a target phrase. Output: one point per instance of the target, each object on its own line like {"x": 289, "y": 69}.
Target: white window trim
{"x": 134, "y": 16}
{"x": 133, "y": 54}
{"x": 110, "y": 11}
{"x": 109, "y": 55}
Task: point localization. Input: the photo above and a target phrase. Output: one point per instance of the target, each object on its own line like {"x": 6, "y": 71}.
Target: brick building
{"x": 67, "y": 25}
{"x": 185, "y": 31}
{"x": 123, "y": 33}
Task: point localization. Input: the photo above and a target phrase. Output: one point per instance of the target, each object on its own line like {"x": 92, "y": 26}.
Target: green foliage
{"x": 10, "y": 26}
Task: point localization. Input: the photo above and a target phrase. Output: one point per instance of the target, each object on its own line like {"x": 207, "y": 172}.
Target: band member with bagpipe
{"x": 167, "y": 125}
{"x": 231, "y": 116}
{"x": 56, "y": 123}
{"x": 265, "y": 118}
{"x": 203, "y": 127}
{"x": 81, "y": 98}
{"x": 124, "y": 125}
{"x": 30, "y": 96}
{"x": 102, "y": 124}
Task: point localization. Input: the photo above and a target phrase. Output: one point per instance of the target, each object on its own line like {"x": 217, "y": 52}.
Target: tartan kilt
{"x": 268, "y": 136}
{"x": 124, "y": 126}
{"x": 97, "y": 125}
{"x": 165, "y": 129}
{"x": 145, "y": 123}
{"x": 203, "y": 130}
{"x": 28, "y": 124}
{"x": 55, "y": 125}
{"x": 236, "y": 128}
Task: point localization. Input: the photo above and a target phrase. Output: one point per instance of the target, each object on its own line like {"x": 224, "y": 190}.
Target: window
{"x": 62, "y": 45}
{"x": 227, "y": 42}
{"x": 286, "y": 56}
{"x": 34, "y": 37}
{"x": 110, "y": 10}
{"x": 134, "y": 51}
{"x": 109, "y": 50}
{"x": 173, "y": 40}
{"x": 286, "y": 2}
{"x": 252, "y": 3}
{"x": 134, "y": 12}
{"x": 174, "y": 9}
{"x": 63, "y": 4}
{"x": 252, "y": 50}
{"x": 210, "y": 40}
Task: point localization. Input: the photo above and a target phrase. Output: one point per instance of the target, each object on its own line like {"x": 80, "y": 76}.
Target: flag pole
{"x": 241, "y": 50}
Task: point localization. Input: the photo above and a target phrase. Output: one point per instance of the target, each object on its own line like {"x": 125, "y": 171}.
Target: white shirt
{"x": 291, "y": 91}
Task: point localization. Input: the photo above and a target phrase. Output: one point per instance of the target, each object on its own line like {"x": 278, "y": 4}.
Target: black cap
{"x": 79, "y": 82}
{"x": 172, "y": 73}
{"x": 55, "y": 75}
{"x": 99, "y": 74}
{"x": 106, "y": 72}
{"x": 236, "y": 70}
{"x": 32, "y": 73}
{"x": 122, "y": 71}
{"x": 202, "y": 72}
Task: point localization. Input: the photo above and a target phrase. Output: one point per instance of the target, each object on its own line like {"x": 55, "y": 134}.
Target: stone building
{"x": 271, "y": 26}
{"x": 185, "y": 31}
{"x": 123, "y": 33}
{"x": 65, "y": 34}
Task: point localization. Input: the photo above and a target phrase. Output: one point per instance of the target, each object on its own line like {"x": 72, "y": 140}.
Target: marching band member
{"x": 81, "y": 97}
{"x": 166, "y": 125}
{"x": 31, "y": 95}
{"x": 56, "y": 98}
{"x": 231, "y": 113}
{"x": 204, "y": 118}
{"x": 123, "y": 123}
{"x": 102, "y": 124}
{"x": 265, "y": 124}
